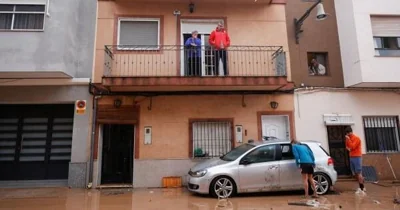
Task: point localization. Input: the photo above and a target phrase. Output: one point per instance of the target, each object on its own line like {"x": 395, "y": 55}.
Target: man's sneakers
{"x": 361, "y": 192}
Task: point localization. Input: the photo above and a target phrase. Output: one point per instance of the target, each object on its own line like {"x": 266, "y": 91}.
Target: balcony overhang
{"x": 194, "y": 85}
{"x": 34, "y": 75}
{"x": 208, "y": 1}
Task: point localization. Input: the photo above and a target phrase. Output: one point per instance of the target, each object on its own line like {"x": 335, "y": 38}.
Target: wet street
{"x": 378, "y": 197}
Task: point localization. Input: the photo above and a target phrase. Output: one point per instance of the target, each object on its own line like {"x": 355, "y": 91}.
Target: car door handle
{"x": 273, "y": 167}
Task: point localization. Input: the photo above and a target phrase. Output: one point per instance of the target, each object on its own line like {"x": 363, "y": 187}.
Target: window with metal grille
{"x": 22, "y": 17}
{"x": 381, "y": 134}
{"x": 136, "y": 32}
{"x": 211, "y": 139}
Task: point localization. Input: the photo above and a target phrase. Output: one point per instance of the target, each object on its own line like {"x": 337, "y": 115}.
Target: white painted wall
{"x": 310, "y": 106}
{"x": 357, "y": 46}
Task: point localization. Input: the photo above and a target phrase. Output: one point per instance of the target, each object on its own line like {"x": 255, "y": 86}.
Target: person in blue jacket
{"x": 193, "y": 49}
{"x": 306, "y": 162}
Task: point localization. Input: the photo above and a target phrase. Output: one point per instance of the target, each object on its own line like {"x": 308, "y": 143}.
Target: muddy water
{"x": 177, "y": 199}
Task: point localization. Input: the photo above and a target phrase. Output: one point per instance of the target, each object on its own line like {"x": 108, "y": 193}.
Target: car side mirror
{"x": 245, "y": 161}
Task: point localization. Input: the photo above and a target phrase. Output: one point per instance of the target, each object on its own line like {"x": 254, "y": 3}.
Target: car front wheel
{"x": 322, "y": 183}
{"x": 222, "y": 187}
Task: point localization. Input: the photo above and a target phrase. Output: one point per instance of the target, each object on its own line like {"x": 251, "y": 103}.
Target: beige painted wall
{"x": 169, "y": 118}
{"x": 248, "y": 24}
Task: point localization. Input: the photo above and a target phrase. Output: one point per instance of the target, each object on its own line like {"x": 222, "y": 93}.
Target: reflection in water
{"x": 180, "y": 199}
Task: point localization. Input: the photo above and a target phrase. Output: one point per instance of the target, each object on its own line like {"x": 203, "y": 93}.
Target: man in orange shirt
{"x": 353, "y": 145}
{"x": 220, "y": 41}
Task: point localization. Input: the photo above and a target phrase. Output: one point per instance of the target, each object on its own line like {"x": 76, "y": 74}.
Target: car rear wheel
{"x": 222, "y": 187}
{"x": 322, "y": 183}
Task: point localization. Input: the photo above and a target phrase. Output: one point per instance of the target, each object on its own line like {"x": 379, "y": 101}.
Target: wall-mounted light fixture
{"x": 321, "y": 15}
{"x": 117, "y": 103}
{"x": 191, "y": 7}
{"x": 274, "y": 104}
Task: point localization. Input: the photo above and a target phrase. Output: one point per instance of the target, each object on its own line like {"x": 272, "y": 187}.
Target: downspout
{"x": 94, "y": 115}
{"x": 48, "y": 8}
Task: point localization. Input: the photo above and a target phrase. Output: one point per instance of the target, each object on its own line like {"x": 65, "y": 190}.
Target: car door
{"x": 290, "y": 176}
{"x": 259, "y": 170}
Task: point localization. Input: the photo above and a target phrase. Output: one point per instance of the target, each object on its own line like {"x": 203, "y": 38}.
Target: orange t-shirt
{"x": 354, "y": 144}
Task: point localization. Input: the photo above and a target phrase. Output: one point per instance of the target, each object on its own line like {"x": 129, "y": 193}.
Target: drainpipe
{"x": 94, "y": 114}
{"x": 48, "y": 8}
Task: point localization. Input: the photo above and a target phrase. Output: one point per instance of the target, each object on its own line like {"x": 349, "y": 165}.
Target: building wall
{"x": 360, "y": 64}
{"x": 82, "y": 123}
{"x": 311, "y": 105}
{"x": 318, "y": 36}
{"x": 247, "y": 24}
{"x": 65, "y": 45}
{"x": 168, "y": 155}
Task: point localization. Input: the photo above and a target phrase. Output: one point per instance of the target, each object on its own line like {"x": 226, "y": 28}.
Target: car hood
{"x": 208, "y": 164}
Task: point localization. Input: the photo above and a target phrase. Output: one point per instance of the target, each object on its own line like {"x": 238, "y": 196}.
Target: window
{"x": 262, "y": 154}
{"x": 22, "y": 17}
{"x": 287, "y": 153}
{"x": 386, "y": 32}
{"x": 139, "y": 34}
{"x": 387, "y": 46}
{"x": 381, "y": 134}
{"x": 317, "y": 64}
{"x": 211, "y": 138}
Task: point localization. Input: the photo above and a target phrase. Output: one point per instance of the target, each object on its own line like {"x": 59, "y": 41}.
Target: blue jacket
{"x": 191, "y": 50}
{"x": 303, "y": 154}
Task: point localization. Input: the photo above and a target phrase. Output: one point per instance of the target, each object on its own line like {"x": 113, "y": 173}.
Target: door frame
{"x": 180, "y": 32}
{"x": 292, "y": 134}
{"x": 100, "y": 147}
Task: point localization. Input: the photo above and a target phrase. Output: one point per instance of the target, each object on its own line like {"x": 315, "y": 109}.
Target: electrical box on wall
{"x": 147, "y": 135}
{"x": 239, "y": 133}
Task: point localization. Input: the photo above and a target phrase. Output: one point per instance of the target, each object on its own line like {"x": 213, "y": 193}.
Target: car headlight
{"x": 198, "y": 173}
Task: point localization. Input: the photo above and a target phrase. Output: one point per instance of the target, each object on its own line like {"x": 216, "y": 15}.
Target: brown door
{"x": 337, "y": 149}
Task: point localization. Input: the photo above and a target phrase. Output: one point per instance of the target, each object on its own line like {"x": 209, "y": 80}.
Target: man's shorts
{"x": 356, "y": 165}
{"x": 307, "y": 168}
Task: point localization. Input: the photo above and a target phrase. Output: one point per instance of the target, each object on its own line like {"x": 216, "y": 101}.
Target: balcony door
{"x": 204, "y": 27}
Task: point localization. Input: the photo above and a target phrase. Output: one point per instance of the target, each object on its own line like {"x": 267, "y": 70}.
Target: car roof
{"x": 278, "y": 141}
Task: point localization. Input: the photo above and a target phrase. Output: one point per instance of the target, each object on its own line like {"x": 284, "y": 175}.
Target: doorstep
{"x": 114, "y": 186}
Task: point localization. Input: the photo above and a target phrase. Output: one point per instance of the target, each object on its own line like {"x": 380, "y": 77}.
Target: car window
{"x": 262, "y": 154}
{"x": 237, "y": 152}
{"x": 287, "y": 153}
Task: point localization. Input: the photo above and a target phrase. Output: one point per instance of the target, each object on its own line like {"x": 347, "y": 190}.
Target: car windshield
{"x": 237, "y": 152}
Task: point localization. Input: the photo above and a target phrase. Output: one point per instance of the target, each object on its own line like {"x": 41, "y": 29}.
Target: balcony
{"x": 178, "y": 68}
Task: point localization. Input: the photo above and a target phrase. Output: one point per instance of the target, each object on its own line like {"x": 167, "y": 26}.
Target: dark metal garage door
{"x": 35, "y": 141}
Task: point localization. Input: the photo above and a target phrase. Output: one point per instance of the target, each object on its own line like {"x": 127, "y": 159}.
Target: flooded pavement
{"x": 378, "y": 197}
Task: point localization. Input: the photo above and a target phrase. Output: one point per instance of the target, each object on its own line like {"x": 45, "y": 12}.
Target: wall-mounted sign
{"x": 80, "y": 106}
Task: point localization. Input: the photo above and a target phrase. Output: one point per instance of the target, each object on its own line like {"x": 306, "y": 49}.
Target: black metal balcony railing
{"x": 175, "y": 60}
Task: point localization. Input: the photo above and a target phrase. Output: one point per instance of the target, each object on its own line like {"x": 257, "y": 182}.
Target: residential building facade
{"x": 46, "y": 61}
{"x": 154, "y": 118}
{"x": 366, "y": 97}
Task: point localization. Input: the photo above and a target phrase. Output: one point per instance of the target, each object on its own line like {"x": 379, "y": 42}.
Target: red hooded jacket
{"x": 218, "y": 36}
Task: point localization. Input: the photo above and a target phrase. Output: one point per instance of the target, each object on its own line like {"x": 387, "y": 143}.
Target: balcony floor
{"x": 166, "y": 84}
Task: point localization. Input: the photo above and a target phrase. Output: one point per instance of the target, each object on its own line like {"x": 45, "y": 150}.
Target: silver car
{"x": 259, "y": 166}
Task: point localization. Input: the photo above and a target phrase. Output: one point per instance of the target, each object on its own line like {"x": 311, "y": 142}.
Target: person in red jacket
{"x": 353, "y": 145}
{"x": 220, "y": 41}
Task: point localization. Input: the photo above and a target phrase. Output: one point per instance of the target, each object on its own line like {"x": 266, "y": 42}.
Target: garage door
{"x": 35, "y": 141}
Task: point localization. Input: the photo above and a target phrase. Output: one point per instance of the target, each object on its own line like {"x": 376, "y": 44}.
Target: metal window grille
{"x": 22, "y": 17}
{"x": 211, "y": 139}
{"x": 381, "y": 134}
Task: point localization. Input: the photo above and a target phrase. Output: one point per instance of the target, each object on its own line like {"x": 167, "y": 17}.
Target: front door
{"x": 337, "y": 149}
{"x": 262, "y": 171}
{"x": 275, "y": 126}
{"x": 117, "y": 157}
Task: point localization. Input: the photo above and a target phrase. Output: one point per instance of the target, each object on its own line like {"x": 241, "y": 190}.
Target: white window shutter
{"x": 385, "y": 26}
